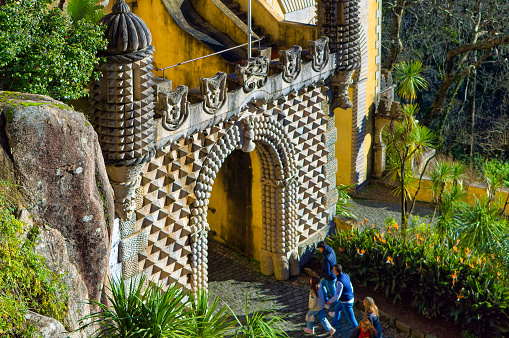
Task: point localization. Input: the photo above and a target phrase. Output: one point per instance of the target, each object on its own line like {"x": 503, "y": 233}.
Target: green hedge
{"x": 440, "y": 279}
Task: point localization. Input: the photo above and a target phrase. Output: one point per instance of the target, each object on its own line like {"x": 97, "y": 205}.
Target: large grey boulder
{"x": 47, "y": 327}
{"x": 51, "y": 245}
{"x": 52, "y": 153}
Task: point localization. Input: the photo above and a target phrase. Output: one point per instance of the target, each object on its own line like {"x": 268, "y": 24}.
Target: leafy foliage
{"x": 408, "y": 75}
{"x": 136, "y": 312}
{"x": 25, "y": 281}
{"x": 140, "y": 309}
{"x": 85, "y": 10}
{"x": 343, "y": 206}
{"x": 207, "y": 321}
{"x": 483, "y": 226}
{"x": 406, "y": 141}
{"x": 43, "y": 51}
{"x": 447, "y": 193}
{"x": 440, "y": 278}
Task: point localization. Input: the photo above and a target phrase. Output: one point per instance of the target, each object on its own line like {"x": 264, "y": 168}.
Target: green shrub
{"x": 25, "y": 281}
{"x": 44, "y": 51}
{"x": 440, "y": 279}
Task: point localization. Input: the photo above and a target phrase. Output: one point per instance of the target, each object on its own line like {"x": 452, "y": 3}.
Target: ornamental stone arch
{"x": 279, "y": 195}
{"x": 163, "y": 147}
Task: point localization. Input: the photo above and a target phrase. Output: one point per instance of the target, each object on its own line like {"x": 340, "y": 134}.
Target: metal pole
{"x": 249, "y": 29}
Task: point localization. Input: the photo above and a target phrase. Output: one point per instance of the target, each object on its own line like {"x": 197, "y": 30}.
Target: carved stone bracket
{"x": 340, "y": 83}
{"x": 247, "y": 137}
{"x": 319, "y": 51}
{"x": 124, "y": 181}
{"x": 213, "y": 92}
{"x": 174, "y": 107}
{"x": 290, "y": 62}
{"x": 253, "y": 73}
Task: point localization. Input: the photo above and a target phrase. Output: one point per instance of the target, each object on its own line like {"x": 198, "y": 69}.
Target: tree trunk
{"x": 396, "y": 44}
{"x": 472, "y": 125}
{"x": 403, "y": 199}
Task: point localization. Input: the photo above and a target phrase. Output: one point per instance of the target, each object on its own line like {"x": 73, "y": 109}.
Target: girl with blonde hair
{"x": 371, "y": 313}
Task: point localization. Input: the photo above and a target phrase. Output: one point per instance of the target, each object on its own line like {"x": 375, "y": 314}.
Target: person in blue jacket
{"x": 328, "y": 261}
{"x": 344, "y": 298}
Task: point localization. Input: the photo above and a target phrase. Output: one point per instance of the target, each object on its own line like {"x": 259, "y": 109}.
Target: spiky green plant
{"x": 343, "y": 206}
{"x": 483, "y": 226}
{"x": 260, "y": 324}
{"x": 447, "y": 194}
{"x": 409, "y": 76}
{"x": 141, "y": 310}
{"x": 406, "y": 140}
{"x": 206, "y": 318}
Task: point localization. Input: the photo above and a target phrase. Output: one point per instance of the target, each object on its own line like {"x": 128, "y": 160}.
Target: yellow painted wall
{"x": 173, "y": 45}
{"x": 256, "y": 203}
{"x": 371, "y": 85}
{"x": 235, "y": 219}
{"x": 343, "y": 119}
{"x": 474, "y": 190}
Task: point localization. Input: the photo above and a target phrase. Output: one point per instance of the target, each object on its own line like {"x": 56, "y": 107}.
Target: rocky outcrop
{"x": 51, "y": 245}
{"x": 52, "y": 153}
{"x": 47, "y": 327}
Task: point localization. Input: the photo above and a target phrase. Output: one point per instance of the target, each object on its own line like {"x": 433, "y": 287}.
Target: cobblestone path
{"x": 234, "y": 277}
{"x": 377, "y": 212}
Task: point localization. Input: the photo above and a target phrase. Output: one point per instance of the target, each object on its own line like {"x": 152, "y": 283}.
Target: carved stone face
{"x": 213, "y": 92}
{"x": 247, "y": 136}
{"x": 214, "y": 96}
{"x": 320, "y": 53}
{"x": 175, "y": 107}
{"x": 290, "y": 62}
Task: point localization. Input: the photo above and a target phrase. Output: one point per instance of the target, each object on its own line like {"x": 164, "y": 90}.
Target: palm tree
{"x": 406, "y": 140}
{"x": 408, "y": 75}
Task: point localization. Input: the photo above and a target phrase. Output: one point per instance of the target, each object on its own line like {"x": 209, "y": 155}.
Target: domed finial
{"x": 120, "y": 7}
{"x": 125, "y": 31}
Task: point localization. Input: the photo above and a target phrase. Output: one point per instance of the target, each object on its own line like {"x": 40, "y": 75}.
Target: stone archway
{"x": 279, "y": 195}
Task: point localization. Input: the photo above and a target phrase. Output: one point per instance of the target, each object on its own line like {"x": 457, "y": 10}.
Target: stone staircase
{"x": 235, "y": 8}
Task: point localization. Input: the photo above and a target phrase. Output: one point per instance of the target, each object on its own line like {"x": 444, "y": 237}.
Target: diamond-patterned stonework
{"x": 163, "y": 177}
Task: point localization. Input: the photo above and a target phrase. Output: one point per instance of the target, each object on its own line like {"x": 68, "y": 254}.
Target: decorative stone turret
{"x": 122, "y": 101}
{"x": 339, "y": 21}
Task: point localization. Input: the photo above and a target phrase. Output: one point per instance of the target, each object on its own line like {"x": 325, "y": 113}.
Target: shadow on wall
{"x": 230, "y": 213}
